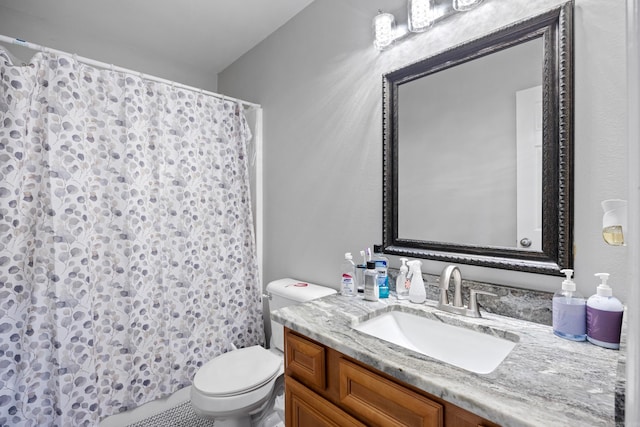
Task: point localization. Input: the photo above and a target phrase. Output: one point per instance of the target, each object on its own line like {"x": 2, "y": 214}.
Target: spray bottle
{"x": 417, "y": 293}
{"x": 348, "y": 279}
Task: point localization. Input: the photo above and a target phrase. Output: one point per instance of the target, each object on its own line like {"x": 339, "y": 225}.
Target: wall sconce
{"x": 421, "y": 14}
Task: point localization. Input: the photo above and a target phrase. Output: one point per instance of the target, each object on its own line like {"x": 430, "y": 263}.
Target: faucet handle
{"x": 473, "y": 301}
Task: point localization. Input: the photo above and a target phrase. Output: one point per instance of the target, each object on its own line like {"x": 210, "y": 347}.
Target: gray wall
{"x": 318, "y": 79}
{"x": 74, "y": 40}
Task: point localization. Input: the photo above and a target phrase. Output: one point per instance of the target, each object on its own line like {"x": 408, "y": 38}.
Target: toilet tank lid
{"x": 298, "y": 290}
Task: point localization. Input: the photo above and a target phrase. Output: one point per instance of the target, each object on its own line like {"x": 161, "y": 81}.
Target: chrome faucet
{"x": 449, "y": 272}
{"x": 445, "y": 278}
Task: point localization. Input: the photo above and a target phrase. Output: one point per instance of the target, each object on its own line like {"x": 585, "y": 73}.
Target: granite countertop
{"x": 544, "y": 381}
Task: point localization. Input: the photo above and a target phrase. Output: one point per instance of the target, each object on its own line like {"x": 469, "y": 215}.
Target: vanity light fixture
{"x": 421, "y": 15}
{"x": 384, "y": 25}
{"x": 462, "y": 5}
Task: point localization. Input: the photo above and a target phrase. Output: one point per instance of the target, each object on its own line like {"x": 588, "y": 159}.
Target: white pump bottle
{"x": 417, "y": 293}
{"x": 402, "y": 284}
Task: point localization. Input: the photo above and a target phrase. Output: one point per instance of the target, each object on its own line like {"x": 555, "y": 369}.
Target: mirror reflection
{"x": 474, "y": 177}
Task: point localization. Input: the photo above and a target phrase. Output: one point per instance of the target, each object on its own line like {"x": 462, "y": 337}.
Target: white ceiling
{"x": 206, "y": 34}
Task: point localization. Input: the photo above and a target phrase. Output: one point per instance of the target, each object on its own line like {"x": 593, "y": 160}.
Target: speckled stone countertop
{"x": 544, "y": 381}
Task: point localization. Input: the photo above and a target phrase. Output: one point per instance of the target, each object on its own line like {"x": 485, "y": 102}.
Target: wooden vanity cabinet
{"x": 324, "y": 387}
{"x": 305, "y": 408}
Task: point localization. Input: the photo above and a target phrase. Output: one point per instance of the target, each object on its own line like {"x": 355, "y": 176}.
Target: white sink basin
{"x": 456, "y": 345}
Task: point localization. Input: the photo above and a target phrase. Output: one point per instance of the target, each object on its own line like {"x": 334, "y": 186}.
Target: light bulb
{"x": 383, "y": 30}
{"x": 462, "y": 5}
{"x": 421, "y": 15}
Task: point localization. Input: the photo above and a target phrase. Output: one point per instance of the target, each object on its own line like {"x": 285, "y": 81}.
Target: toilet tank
{"x": 285, "y": 292}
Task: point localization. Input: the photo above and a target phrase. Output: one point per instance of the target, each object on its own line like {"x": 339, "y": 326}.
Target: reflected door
{"x": 529, "y": 168}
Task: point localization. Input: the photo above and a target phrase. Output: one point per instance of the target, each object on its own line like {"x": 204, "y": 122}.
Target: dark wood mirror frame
{"x": 556, "y": 29}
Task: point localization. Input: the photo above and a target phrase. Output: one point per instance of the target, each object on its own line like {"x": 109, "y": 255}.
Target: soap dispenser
{"x": 569, "y": 311}
{"x": 604, "y": 316}
{"x": 417, "y": 293}
{"x": 402, "y": 284}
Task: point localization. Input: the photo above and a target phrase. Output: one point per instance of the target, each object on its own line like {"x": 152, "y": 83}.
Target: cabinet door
{"x": 457, "y": 417}
{"x": 305, "y": 360}
{"x": 305, "y": 408}
{"x": 381, "y": 402}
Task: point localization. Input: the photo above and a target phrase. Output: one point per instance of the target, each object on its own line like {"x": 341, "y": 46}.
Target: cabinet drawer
{"x": 382, "y": 402}
{"x": 305, "y": 408}
{"x": 305, "y": 360}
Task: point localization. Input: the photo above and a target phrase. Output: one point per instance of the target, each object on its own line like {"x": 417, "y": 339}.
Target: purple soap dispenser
{"x": 604, "y": 316}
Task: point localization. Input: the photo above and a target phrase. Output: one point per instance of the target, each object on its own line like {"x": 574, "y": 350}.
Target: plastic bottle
{"x": 604, "y": 316}
{"x": 360, "y": 269}
{"x": 569, "y": 311}
{"x": 402, "y": 284}
{"x": 371, "y": 290}
{"x": 348, "y": 281}
{"x": 417, "y": 293}
{"x": 382, "y": 267}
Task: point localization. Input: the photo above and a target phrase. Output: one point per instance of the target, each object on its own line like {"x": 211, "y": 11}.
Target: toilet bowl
{"x": 238, "y": 385}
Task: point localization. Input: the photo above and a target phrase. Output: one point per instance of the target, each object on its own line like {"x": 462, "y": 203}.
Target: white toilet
{"x": 237, "y": 385}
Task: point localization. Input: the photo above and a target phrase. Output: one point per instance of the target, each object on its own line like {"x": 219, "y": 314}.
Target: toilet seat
{"x": 237, "y": 372}
{"x": 237, "y": 386}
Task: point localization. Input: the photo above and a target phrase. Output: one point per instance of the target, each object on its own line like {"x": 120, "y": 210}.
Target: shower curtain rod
{"x": 33, "y": 46}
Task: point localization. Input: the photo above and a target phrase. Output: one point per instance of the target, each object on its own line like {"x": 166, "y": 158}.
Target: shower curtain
{"x": 127, "y": 253}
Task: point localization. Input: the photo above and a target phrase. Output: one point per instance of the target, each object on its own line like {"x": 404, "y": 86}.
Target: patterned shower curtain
{"x": 127, "y": 254}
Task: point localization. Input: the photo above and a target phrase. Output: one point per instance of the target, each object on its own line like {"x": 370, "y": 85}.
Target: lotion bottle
{"x": 604, "y": 316}
{"x": 417, "y": 293}
{"x": 569, "y": 311}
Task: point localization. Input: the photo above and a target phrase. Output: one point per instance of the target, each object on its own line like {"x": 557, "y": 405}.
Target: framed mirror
{"x": 478, "y": 150}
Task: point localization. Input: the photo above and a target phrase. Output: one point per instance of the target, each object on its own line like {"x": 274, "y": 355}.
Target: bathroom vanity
{"x": 323, "y": 386}
{"x": 337, "y": 375}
